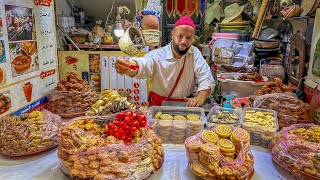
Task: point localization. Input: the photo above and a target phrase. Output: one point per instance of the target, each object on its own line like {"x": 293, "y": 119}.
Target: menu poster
{"x": 102, "y": 74}
{"x": 28, "y": 55}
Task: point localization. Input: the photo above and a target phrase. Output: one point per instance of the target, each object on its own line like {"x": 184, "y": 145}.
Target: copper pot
{"x": 21, "y": 62}
{"x": 291, "y": 11}
{"x": 149, "y": 22}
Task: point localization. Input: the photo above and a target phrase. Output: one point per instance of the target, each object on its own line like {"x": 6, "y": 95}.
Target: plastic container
{"x": 259, "y": 135}
{"x": 221, "y": 40}
{"x": 176, "y": 131}
{"x": 221, "y": 115}
{"x": 229, "y": 85}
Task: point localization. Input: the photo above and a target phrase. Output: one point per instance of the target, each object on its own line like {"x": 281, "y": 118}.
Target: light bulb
{"x": 118, "y": 31}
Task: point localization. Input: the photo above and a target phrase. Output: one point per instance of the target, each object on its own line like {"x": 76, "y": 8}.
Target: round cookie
{"x": 199, "y": 170}
{"x": 239, "y": 134}
{"x": 179, "y": 117}
{"x": 193, "y": 117}
{"x": 179, "y": 126}
{"x": 223, "y": 130}
{"x": 194, "y": 145}
{"x": 209, "y": 148}
{"x": 228, "y": 154}
{"x": 165, "y": 125}
{"x": 226, "y": 146}
{"x": 210, "y": 136}
{"x": 166, "y": 117}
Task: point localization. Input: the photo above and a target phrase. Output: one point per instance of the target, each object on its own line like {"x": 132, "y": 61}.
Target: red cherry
{"x": 109, "y": 132}
{"x": 120, "y": 124}
{"x": 134, "y": 124}
{"x": 129, "y": 139}
{"x": 143, "y": 123}
{"x": 126, "y": 120}
{"x": 134, "y": 116}
{"x": 128, "y": 114}
{"x": 142, "y": 118}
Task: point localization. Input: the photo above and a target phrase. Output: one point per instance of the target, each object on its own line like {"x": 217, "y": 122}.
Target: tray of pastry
{"x": 262, "y": 124}
{"x": 221, "y": 115}
{"x": 175, "y": 124}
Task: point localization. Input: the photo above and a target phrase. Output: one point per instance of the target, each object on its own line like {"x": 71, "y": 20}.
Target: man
{"x": 174, "y": 69}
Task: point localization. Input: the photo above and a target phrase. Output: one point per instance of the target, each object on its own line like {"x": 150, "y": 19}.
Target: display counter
{"x": 46, "y": 166}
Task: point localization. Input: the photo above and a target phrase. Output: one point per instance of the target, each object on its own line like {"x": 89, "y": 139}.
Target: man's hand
{"x": 193, "y": 102}
{"x": 123, "y": 66}
{"x": 199, "y": 100}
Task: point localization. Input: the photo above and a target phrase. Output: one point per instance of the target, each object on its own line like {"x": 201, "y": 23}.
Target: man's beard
{"x": 177, "y": 50}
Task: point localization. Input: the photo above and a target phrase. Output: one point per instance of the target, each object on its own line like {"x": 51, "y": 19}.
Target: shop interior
{"x": 159, "y": 89}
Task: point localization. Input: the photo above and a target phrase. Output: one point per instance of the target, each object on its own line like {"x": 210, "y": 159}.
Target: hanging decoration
{"x": 169, "y": 7}
{"x": 182, "y": 7}
{"x": 202, "y": 7}
{"x": 190, "y": 6}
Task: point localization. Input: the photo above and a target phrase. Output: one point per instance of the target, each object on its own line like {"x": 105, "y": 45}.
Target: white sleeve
{"x": 146, "y": 65}
{"x": 202, "y": 72}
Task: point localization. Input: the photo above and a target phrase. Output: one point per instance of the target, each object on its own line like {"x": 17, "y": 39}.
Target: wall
{"x": 28, "y": 63}
{"x": 98, "y": 9}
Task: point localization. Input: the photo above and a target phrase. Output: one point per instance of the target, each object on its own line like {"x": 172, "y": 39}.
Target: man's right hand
{"x": 123, "y": 66}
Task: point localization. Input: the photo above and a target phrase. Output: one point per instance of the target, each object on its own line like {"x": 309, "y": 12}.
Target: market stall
{"x": 227, "y": 96}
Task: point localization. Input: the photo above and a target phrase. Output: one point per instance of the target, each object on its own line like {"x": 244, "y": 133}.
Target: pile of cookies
{"x": 225, "y": 117}
{"x": 70, "y": 104}
{"x": 220, "y": 153}
{"x": 290, "y": 110}
{"x": 296, "y": 148}
{"x": 261, "y": 124}
{"x": 72, "y": 83}
{"x": 176, "y": 128}
{"x": 109, "y": 102}
{"x": 29, "y": 133}
{"x": 273, "y": 87}
{"x": 85, "y": 152}
{"x": 251, "y": 77}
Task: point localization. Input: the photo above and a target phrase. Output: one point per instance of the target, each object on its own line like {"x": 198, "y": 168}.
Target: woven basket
{"x": 266, "y": 45}
{"x": 127, "y": 44}
{"x": 151, "y": 37}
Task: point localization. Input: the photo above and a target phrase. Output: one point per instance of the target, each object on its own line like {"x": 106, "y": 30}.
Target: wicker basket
{"x": 151, "y": 37}
{"x": 266, "y": 44}
{"x": 127, "y": 44}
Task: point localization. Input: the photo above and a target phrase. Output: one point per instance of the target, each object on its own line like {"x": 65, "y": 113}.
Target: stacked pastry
{"x": 220, "y": 153}
{"x": 176, "y": 128}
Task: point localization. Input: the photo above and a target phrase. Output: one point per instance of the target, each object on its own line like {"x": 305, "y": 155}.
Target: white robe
{"x": 163, "y": 69}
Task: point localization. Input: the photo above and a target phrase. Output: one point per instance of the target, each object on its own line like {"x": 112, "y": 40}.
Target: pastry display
{"x": 73, "y": 83}
{"x": 21, "y": 64}
{"x": 296, "y": 148}
{"x": 110, "y": 147}
{"x": 251, "y": 77}
{"x": 71, "y": 98}
{"x": 220, "y": 153}
{"x": 29, "y": 133}
{"x": 175, "y": 127}
{"x": 96, "y": 82}
{"x": 273, "y": 87}
{"x": 290, "y": 109}
{"x": 218, "y": 115}
{"x": 5, "y": 103}
{"x": 262, "y": 125}
{"x": 109, "y": 101}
